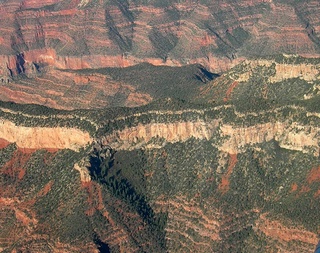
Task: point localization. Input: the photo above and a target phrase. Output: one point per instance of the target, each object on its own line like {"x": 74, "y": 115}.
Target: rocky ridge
{"x": 141, "y": 84}
{"x": 95, "y": 34}
{"x": 237, "y": 175}
{"x": 289, "y": 135}
{"x": 279, "y": 78}
{"x": 43, "y": 137}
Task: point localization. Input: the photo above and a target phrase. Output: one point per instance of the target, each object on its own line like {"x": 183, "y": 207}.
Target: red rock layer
{"x": 89, "y": 34}
{"x": 38, "y": 37}
{"x": 65, "y": 90}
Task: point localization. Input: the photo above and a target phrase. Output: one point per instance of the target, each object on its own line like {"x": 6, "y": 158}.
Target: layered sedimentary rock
{"x": 43, "y": 137}
{"x": 280, "y": 78}
{"x": 273, "y": 77}
{"x": 289, "y": 135}
{"x": 234, "y": 139}
{"x": 91, "y": 34}
{"x": 108, "y": 87}
{"x": 282, "y": 71}
{"x": 168, "y": 132}
{"x": 192, "y": 179}
{"x": 36, "y": 39}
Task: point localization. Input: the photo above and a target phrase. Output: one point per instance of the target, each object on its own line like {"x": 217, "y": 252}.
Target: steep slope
{"x": 106, "y": 87}
{"x": 91, "y": 34}
{"x": 283, "y": 79}
{"x": 37, "y": 40}
{"x": 167, "y": 177}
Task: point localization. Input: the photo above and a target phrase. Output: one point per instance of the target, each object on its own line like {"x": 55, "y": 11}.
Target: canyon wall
{"x": 95, "y": 34}
{"x": 194, "y": 179}
{"x": 43, "y": 137}
{"x": 42, "y": 44}
{"x": 232, "y": 139}
{"x": 282, "y": 71}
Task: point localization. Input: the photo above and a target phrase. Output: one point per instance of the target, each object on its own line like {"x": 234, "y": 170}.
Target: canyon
{"x": 195, "y": 179}
{"x": 40, "y": 43}
{"x": 159, "y": 126}
{"x": 61, "y": 34}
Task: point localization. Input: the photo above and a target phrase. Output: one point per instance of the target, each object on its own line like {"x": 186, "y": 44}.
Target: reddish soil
{"x": 23, "y": 217}
{"x": 52, "y": 150}
{"x": 225, "y": 184}
{"x": 27, "y": 150}
{"x": 100, "y": 198}
{"x": 89, "y": 188}
{"x": 294, "y": 187}
{"x": 3, "y": 143}
{"x": 314, "y": 176}
{"x": 275, "y": 229}
{"x": 15, "y": 166}
{"x": 21, "y": 174}
{"x": 47, "y": 158}
{"x": 95, "y": 198}
{"x": 304, "y": 189}
{"x": 229, "y": 91}
{"x": 45, "y": 189}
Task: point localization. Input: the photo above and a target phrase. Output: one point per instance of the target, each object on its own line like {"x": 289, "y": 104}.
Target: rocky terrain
{"x": 159, "y": 126}
{"x": 95, "y": 34}
{"x": 39, "y": 40}
{"x": 237, "y": 170}
{"x": 106, "y": 87}
{"x": 278, "y": 77}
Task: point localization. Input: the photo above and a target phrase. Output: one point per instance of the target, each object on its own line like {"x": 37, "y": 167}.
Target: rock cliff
{"x": 39, "y": 40}
{"x": 279, "y": 78}
{"x": 287, "y": 77}
{"x": 43, "y": 137}
{"x": 167, "y": 177}
{"x": 94, "y": 34}
{"x": 236, "y": 172}
{"x": 234, "y": 139}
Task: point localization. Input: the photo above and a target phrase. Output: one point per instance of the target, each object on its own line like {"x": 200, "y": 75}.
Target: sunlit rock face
{"x": 40, "y": 40}
{"x": 289, "y": 135}
{"x": 43, "y": 137}
{"x": 92, "y": 34}
{"x": 190, "y": 177}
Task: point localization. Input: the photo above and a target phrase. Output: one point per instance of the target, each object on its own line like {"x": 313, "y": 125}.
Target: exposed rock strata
{"x": 92, "y": 34}
{"x": 233, "y": 139}
{"x": 74, "y": 89}
{"x": 279, "y": 78}
{"x": 208, "y": 181}
{"x": 43, "y": 137}
{"x": 278, "y": 231}
{"x": 169, "y": 132}
{"x": 304, "y": 71}
{"x": 289, "y": 136}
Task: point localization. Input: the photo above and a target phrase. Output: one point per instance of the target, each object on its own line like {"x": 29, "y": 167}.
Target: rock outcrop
{"x": 290, "y": 136}
{"x": 233, "y": 139}
{"x": 172, "y": 132}
{"x": 166, "y": 177}
{"x": 38, "y": 40}
{"x": 282, "y": 71}
{"x": 93, "y": 34}
{"x": 276, "y": 78}
{"x": 43, "y": 137}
